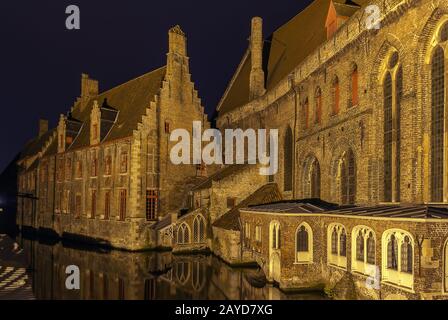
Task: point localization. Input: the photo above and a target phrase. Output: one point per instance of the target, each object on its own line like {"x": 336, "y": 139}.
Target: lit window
{"x": 124, "y": 162}
{"x": 123, "y": 198}
{"x": 199, "y": 229}
{"x": 337, "y": 245}
{"x": 152, "y": 199}
{"x": 398, "y": 257}
{"x": 304, "y": 244}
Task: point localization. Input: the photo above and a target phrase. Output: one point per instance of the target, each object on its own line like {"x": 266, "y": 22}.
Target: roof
{"x": 266, "y": 194}
{"x": 285, "y": 49}
{"x": 165, "y": 222}
{"x": 315, "y": 206}
{"x": 130, "y": 99}
{"x": 36, "y": 145}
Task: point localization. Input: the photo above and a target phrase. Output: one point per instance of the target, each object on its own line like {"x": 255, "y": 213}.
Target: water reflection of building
{"x": 117, "y": 275}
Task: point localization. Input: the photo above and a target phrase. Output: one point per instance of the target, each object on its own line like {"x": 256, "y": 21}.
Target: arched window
{"x": 183, "y": 234}
{"x": 311, "y": 178}
{"x": 304, "y": 243}
{"x": 336, "y": 95}
{"x": 437, "y": 123}
{"x": 318, "y": 110}
{"x": 275, "y": 235}
{"x": 444, "y": 33}
{"x": 354, "y": 86}
{"x": 360, "y": 246}
{"x": 363, "y": 242}
{"x": 199, "y": 229}
{"x": 391, "y": 128}
{"x": 302, "y": 239}
{"x": 337, "y": 245}
{"x": 371, "y": 249}
{"x": 348, "y": 178}
{"x": 343, "y": 244}
{"x": 388, "y": 138}
{"x": 315, "y": 179}
{"x": 288, "y": 160}
{"x": 398, "y": 257}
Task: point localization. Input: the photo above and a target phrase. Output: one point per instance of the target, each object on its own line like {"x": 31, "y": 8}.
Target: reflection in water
{"x": 150, "y": 275}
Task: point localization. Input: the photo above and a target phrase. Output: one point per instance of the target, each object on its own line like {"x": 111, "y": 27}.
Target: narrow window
{"x": 336, "y": 96}
{"x": 343, "y": 244}
{"x": 406, "y": 255}
{"x": 388, "y": 138}
{"x": 354, "y": 80}
{"x": 360, "y": 247}
{"x": 108, "y": 165}
{"x": 392, "y": 252}
{"x": 122, "y": 205}
{"x": 371, "y": 249}
{"x": 288, "y": 160}
{"x": 306, "y": 113}
{"x": 93, "y": 209}
{"x": 124, "y": 162}
{"x": 152, "y": 199}
{"x": 437, "y": 124}
{"x": 302, "y": 239}
{"x": 107, "y": 205}
{"x": 318, "y": 115}
{"x": 334, "y": 241}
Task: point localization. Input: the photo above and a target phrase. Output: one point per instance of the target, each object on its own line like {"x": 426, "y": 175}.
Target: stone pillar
{"x": 256, "y": 84}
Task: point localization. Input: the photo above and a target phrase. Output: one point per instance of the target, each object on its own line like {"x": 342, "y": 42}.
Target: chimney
{"x": 89, "y": 87}
{"x": 256, "y": 84}
{"x": 43, "y": 127}
{"x": 177, "y": 60}
{"x": 177, "y": 42}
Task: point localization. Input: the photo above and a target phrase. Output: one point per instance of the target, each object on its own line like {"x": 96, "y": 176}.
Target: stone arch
{"x": 199, "y": 229}
{"x": 311, "y": 177}
{"x": 339, "y": 150}
{"x": 302, "y": 254}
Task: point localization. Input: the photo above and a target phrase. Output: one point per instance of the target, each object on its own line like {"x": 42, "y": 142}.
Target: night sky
{"x": 41, "y": 61}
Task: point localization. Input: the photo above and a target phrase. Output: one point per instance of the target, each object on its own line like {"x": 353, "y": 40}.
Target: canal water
{"x": 119, "y": 275}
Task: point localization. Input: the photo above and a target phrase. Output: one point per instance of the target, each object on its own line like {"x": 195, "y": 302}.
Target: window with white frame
{"x": 363, "y": 249}
{"x": 337, "y": 245}
{"x": 304, "y": 244}
{"x": 398, "y": 257}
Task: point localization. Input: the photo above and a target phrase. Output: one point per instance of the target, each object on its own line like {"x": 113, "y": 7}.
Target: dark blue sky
{"x": 41, "y": 61}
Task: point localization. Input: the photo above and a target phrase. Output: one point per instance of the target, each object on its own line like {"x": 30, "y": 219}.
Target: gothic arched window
{"x": 336, "y": 95}
{"x": 318, "y": 109}
{"x": 348, "y": 178}
{"x": 304, "y": 243}
{"x": 437, "y": 123}
{"x": 198, "y": 229}
{"x": 391, "y": 128}
{"x": 288, "y": 160}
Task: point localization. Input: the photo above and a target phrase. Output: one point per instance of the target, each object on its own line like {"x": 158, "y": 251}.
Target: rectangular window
{"x": 258, "y": 233}
{"x": 68, "y": 170}
{"x": 107, "y": 205}
{"x": 124, "y": 162}
{"x": 167, "y": 127}
{"x": 231, "y": 203}
{"x": 108, "y": 165}
{"x": 152, "y": 199}
{"x": 79, "y": 169}
{"x": 78, "y": 204}
{"x": 94, "y": 170}
{"x": 93, "y": 208}
{"x": 123, "y": 205}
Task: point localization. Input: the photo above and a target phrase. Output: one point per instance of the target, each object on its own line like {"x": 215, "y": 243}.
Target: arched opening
{"x": 437, "y": 124}
{"x": 311, "y": 188}
{"x": 304, "y": 244}
{"x": 199, "y": 229}
{"x": 348, "y": 178}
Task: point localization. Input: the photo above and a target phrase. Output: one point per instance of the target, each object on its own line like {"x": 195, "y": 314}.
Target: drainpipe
{"x": 296, "y": 93}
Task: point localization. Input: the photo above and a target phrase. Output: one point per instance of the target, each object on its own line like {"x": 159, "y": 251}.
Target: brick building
{"x": 104, "y": 173}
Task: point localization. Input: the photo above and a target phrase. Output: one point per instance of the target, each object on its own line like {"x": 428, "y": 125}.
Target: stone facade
{"x": 105, "y": 172}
